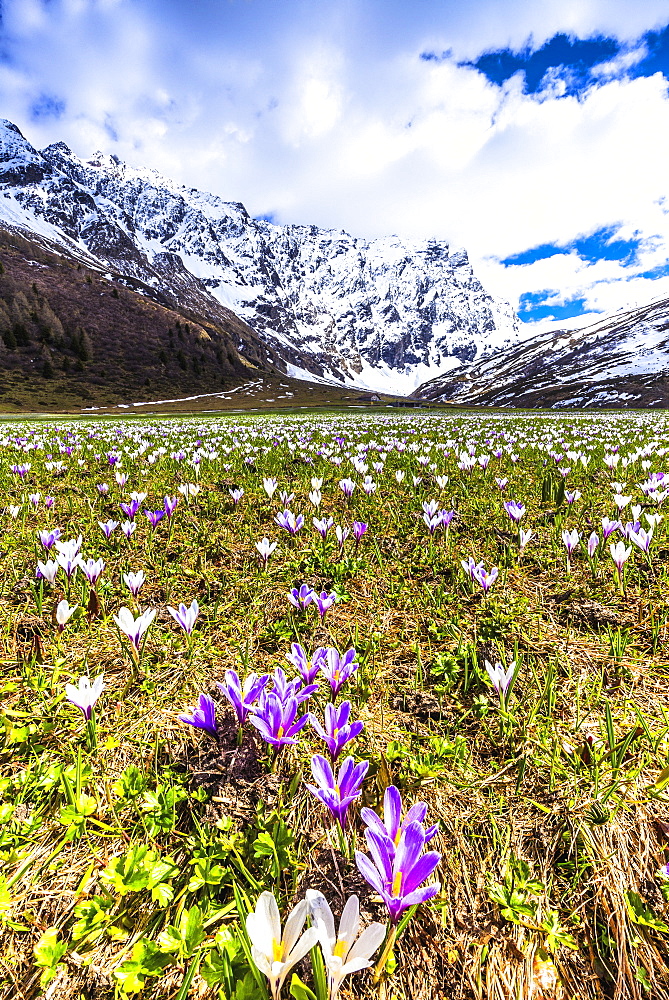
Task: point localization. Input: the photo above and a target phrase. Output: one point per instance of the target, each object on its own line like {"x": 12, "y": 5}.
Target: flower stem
{"x": 391, "y": 937}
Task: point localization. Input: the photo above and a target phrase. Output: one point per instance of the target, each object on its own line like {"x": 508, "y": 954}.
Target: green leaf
{"x": 642, "y": 915}
{"x": 92, "y": 917}
{"x": 299, "y": 990}
{"x": 5, "y": 897}
{"x": 247, "y": 989}
{"x": 162, "y": 894}
{"x": 146, "y": 960}
{"x": 186, "y": 938}
{"x": 129, "y": 872}
{"x": 557, "y": 935}
{"x": 48, "y": 952}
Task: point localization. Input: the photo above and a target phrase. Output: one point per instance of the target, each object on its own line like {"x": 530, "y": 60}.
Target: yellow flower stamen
{"x": 279, "y": 733}
{"x": 277, "y": 951}
{"x": 340, "y": 948}
{"x": 397, "y": 885}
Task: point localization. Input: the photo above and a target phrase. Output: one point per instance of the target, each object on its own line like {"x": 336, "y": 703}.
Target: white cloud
{"x": 326, "y": 114}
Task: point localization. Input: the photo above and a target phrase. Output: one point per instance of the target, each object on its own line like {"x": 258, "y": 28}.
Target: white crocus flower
{"x": 85, "y": 694}
{"x": 344, "y": 951}
{"x": 134, "y": 628}
{"x": 499, "y": 677}
{"x": 265, "y": 548}
{"x": 620, "y": 554}
{"x": 64, "y": 612}
{"x": 49, "y": 569}
{"x": 134, "y": 581}
{"x": 525, "y": 537}
{"x": 276, "y": 954}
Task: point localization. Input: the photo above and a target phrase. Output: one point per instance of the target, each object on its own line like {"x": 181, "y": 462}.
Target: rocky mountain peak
{"x": 381, "y": 313}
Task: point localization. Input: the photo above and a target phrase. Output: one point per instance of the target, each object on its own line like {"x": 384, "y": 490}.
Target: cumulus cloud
{"x": 327, "y": 114}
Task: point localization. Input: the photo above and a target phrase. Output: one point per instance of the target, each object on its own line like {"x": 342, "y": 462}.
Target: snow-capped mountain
{"x": 622, "y": 361}
{"x": 384, "y": 313}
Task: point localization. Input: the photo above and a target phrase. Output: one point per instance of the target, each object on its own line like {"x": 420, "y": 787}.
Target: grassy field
{"x": 506, "y": 674}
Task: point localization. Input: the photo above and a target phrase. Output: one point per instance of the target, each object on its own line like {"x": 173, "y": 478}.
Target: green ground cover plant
{"x": 272, "y": 682}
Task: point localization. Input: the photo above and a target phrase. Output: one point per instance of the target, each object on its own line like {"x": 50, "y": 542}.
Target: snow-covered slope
{"x": 384, "y": 314}
{"x": 622, "y": 360}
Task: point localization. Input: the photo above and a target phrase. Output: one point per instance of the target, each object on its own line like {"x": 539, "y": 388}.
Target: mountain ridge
{"x": 384, "y": 313}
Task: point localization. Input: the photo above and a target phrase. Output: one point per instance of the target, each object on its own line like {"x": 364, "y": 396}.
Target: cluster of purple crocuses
{"x": 396, "y": 866}
{"x": 435, "y": 518}
{"x": 477, "y": 573}
{"x": 302, "y": 597}
{"x": 274, "y": 710}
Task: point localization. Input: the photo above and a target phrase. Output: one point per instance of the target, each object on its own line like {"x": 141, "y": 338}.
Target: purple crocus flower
{"x": 514, "y": 510}
{"x": 92, "y": 569}
{"x": 338, "y": 669}
{"x": 593, "y": 543}
{"x": 322, "y": 526}
{"x": 289, "y": 521}
{"x": 170, "y": 505}
{"x": 275, "y": 719}
{"x": 347, "y": 486}
{"x": 285, "y": 689}
{"x": 571, "y": 540}
{"x": 307, "y": 670}
{"x": 337, "y": 794}
{"x": 392, "y": 826}
{"x": 186, "y": 617}
{"x": 130, "y": 509}
{"x": 446, "y": 517}
{"x": 103, "y": 488}
{"x": 396, "y": 872}
{"x": 608, "y": 527}
{"x": 324, "y": 602}
{"x": 49, "y": 538}
{"x": 107, "y": 527}
{"x": 154, "y": 516}
{"x": 302, "y": 598}
{"x": 49, "y": 502}
{"x": 641, "y": 538}
{"x": 485, "y": 578}
{"x": 471, "y": 567}
{"x": 242, "y": 697}
{"x": 204, "y": 716}
{"x": 359, "y": 529}
{"x": 337, "y": 731}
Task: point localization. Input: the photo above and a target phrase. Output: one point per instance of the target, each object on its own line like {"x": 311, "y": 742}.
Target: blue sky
{"x": 535, "y": 134}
